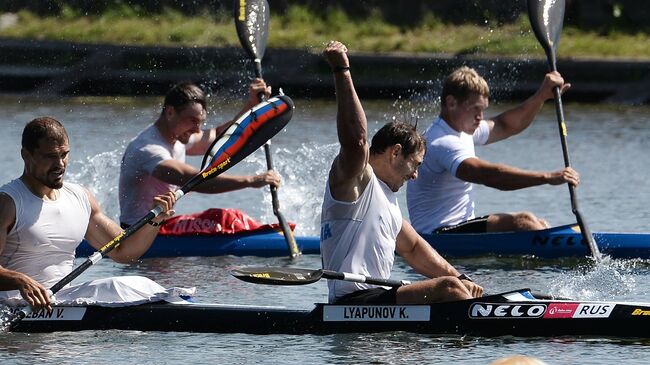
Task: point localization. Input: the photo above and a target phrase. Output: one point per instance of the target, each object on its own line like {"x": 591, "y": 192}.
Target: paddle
{"x": 296, "y": 276}
{"x": 242, "y": 138}
{"x": 546, "y": 18}
{"x": 252, "y": 23}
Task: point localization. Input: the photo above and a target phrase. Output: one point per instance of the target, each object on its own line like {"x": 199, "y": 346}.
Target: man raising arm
{"x": 361, "y": 223}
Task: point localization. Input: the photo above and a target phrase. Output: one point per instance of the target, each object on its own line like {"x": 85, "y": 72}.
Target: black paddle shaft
{"x": 275, "y": 201}
{"x": 584, "y": 229}
{"x": 102, "y": 252}
{"x": 300, "y": 276}
{"x": 252, "y": 24}
{"x": 546, "y": 18}
{"x": 363, "y": 279}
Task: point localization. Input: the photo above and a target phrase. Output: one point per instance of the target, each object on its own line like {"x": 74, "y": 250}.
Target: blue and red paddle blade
{"x": 247, "y": 134}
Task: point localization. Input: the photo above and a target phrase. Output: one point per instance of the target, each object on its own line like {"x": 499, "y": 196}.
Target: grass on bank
{"x": 300, "y": 28}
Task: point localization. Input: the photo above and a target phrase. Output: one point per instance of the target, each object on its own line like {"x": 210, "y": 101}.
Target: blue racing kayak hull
{"x": 556, "y": 242}
{"x": 264, "y": 244}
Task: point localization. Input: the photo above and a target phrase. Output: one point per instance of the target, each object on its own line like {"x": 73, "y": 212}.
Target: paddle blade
{"x": 277, "y": 275}
{"x": 247, "y": 134}
{"x": 252, "y": 23}
{"x": 547, "y": 18}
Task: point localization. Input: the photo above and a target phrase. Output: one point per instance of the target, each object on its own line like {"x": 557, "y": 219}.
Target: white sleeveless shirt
{"x": 46, "y": 233}
{"x": 359, "y": 237}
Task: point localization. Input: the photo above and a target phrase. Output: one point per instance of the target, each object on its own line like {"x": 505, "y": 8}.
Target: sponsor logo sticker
{"x": 216, "y": 168}
{"x": 641, "y": 312}
{"x": 491, "y": 310}
{"x": 57, "y": 314}
{"x": 594, "y": 310}
{"x": 373, "y": 313}
{"x": 561, "y": 310}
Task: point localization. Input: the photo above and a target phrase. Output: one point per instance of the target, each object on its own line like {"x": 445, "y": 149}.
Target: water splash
{"x": 100, "y": 174}
{"x": 5, "y": 315}
{"x": 420, "y": 106}
{"x": 603, "y": 281}
{"x": 236, "y": 91}
{"x": 304, "y": 173}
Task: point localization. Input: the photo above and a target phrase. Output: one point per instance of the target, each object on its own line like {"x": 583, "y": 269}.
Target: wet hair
{"x": 401, "y": 133}
{"x": 183, "y": 94}
{"x": 463, "y": 82}
{"x": 43, "y": 128}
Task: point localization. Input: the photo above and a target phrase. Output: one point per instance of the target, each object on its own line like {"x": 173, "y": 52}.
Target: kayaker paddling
{"x": 441, "y": 199}
{"x": 43, "y": 219}
{"x": 361, "y": 223}
{"x": 154, "y": 161}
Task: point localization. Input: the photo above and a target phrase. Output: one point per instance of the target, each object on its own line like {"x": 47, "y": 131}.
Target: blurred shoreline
{"x": 53, "y": 69}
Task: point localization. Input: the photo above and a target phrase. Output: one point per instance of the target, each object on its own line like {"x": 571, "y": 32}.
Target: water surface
{"x": 608, "y": 146}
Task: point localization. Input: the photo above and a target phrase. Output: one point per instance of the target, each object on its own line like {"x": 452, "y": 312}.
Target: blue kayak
{"x": 555, "y": 242}
{"x": 561, "y": 241}
{"x": 260, "y": 243}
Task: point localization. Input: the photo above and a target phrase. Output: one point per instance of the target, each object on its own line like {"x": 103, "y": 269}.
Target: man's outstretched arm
{"x": 348, "y": 170}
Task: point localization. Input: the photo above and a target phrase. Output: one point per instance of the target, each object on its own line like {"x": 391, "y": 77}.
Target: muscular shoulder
{"x": 348, "y": 188}
{"x": 444, "y": 149}
{"x": 89, "y": 198}
{"x": 147, "y": 141}
{"x": 7, "y": 211}
{"x": 441, "y": 138}
{"x": 145, "y": 152}
{"x": 6, "y": 200}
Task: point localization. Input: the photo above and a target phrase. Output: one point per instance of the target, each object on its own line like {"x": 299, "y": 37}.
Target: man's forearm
{"x": 224, "y": 184}
{"x": 499, "y": 176}
{"x": 350, "y": 119}
{"x": 428, "y": 262}
{"x": 506, "y": 178}
{"x": 517, "y": 119}
{"x": 8, "y": 279}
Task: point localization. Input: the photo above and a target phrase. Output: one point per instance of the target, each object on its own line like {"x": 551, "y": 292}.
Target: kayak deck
{"x": 509, "y": 314}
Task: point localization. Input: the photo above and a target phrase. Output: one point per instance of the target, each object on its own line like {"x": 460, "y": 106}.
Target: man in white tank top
{"x": 154, "y": 161}
{"x": 43, "y": 219}
{"x": 361, "y": 223}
